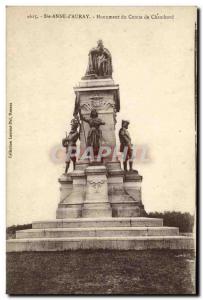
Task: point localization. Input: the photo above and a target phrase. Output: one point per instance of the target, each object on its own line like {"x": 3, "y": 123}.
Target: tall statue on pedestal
{"x": 98, "y": 193}
{"x": 125, "y": 145}
{"x": 69, "y": 142}
{"x": 99, "y": 62}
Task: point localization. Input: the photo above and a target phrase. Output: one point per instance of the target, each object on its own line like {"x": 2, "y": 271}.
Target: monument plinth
{"x": 100, "y": 204}
{"x": 103, "y": 96}
{"x": 96, "y": 203}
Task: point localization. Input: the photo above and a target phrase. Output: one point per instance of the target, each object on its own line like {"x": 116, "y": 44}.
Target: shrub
{"x": 185, "y": 221}
{"x": 11, "y": 231}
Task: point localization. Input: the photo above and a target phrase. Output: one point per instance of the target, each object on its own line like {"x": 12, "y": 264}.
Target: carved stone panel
{"x": 100, "y": 101}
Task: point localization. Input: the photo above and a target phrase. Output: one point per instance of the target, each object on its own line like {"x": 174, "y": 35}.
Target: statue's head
{"x": 125, "y": 124}
{"x": 100, "y": 44}
{"x": 93, "y": 114}
{"x": 74, "y": 124}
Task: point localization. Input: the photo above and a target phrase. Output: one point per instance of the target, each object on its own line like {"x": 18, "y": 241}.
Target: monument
{"x": 100, "y": 203}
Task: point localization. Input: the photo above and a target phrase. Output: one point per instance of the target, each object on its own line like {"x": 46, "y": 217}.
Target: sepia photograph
{"x": 101, "y": 120}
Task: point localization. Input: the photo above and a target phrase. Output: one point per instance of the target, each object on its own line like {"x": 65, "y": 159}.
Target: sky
{"x": 153, "y": 63}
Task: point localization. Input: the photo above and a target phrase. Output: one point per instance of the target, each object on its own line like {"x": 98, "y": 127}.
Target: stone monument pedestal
{"x": 101, "y": 190}
{"x": 96, "y": 203}
{"x": 102, "y": 95}
{"x": 71, "y": 205}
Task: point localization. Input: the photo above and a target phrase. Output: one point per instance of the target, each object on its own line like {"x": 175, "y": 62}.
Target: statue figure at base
{"x": 94, "y": 137}
{"x": 69, "y": 142}
{"x": 99, "y": 62}
{"x": 125, "y": 145}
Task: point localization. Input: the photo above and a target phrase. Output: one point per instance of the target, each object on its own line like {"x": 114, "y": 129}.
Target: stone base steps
{"x": 98, "y": 222}
{"x": 97, "y": 232}
{"x": 115, "y": 243}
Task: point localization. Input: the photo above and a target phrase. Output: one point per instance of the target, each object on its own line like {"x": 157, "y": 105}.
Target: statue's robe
{"x": 99, "y": 63}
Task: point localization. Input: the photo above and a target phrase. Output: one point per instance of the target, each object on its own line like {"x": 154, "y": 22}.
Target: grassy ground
{"x": 101, "y": 272}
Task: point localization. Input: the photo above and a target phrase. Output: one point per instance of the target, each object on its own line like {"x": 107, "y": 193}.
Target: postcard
{"x": 101, "y": 150}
